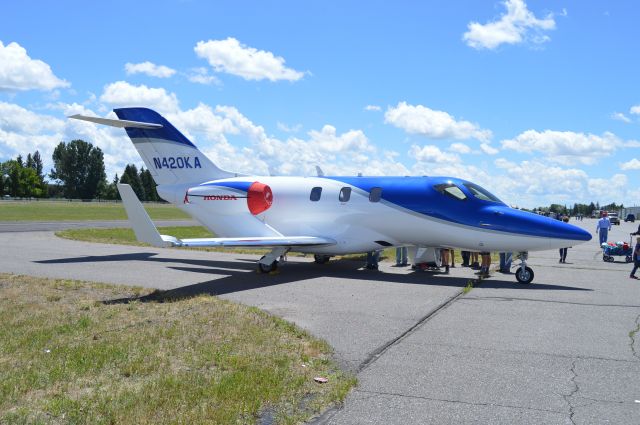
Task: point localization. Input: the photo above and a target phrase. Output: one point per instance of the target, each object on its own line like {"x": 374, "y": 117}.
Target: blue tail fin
{"x": 168, "y": 154}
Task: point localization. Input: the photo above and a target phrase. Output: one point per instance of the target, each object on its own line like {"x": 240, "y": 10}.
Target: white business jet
{"x": 325, "y": 216}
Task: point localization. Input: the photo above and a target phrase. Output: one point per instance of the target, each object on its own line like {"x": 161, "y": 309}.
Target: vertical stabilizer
{"x": 170, "y": 157}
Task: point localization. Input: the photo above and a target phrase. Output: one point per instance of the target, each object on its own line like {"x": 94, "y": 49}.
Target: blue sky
{"x": 536, "y": 100}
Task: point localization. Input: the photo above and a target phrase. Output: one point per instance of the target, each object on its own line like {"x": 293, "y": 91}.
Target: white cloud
{"x": 633, "y": 164}
{"x": 635, "y": 110}
{"x": 619, "y": 116}
{"x": 515, "y": 26}
{"x": 612, "y": 188}
{"x": 150, "y": 69}
{"x": 565, "y": 147}
{"x": 234, "y": 58}
{"x": 432, "y": 124}
{"x": 289, "y": 129}
{"x": 535, "y": 181}
{"x": 19, "y": 72}
{"x": 123, "y": 94}
{"x": 372, "y": 108}
{"x": 488, "y": 149}
{"x": 201, "y": 76}
{"x": 433, "y": 154}
{"x": 16, "y": 119}
{"x": 23, "y": 131}
{"x": 459, "y": 148}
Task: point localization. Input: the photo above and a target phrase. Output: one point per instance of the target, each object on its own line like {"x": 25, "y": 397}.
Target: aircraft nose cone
{"x": 575, "y": 233}
{"x": 537, "y": 225}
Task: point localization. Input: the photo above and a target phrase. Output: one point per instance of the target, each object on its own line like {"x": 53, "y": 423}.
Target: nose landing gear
{"x": 524, "y": 274}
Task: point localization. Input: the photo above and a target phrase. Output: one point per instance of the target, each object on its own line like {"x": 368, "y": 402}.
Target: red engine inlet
{"x": 259, "y": 198}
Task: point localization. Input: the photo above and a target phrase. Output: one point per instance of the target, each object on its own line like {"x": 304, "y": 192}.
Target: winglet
{"x": 142, "y": 225}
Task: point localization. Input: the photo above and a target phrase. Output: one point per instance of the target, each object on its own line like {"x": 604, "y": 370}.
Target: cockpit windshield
{"x": 452, "y": 190}
{"x": 481, "y": 193}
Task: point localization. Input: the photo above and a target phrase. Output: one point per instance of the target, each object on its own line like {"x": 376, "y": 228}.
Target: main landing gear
{"x": 269, "y": 263}
{"x": 524, "y": 274}
{"x": 321, "y": 259}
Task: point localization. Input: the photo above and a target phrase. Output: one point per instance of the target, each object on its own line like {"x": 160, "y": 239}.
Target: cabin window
{"x": 481, "y": 193}
{"x": 451, "y": 190}
{"x": 345, "y": 194}
{"x": 375, "y": 194}
{"x": 316, "y": 192}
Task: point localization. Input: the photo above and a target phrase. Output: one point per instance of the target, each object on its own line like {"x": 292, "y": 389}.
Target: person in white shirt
{"x": 603, "y": 227}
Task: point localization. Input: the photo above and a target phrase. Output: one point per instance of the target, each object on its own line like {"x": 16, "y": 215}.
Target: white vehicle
{"x": 325, "y": 216}
{"x": 613, "y": 218}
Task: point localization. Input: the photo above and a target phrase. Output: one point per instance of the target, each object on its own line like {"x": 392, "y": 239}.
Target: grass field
{"x": 125, "y": 236}
{"x": 80, "y": 211}
{"x": 66, "y": 356}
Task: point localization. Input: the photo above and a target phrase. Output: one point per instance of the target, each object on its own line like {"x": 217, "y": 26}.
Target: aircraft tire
{"x": 267, "y": 268}
{"x": 526, "y": 277}
{"x": 321, "y": 259}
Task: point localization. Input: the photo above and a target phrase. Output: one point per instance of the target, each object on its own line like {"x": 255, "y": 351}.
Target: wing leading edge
{"x": 147, "y": 232}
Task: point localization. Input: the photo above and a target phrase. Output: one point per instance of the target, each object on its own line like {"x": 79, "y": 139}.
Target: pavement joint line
{"x": 420, "y": 397}
{"x": 548, "y": 301}
{"x": 535, "y": 353}
{"x": 326, "y": 416}
{"x": 378, "y": 352}
{"x": 632, "y": 337}
{"x": 572, "y": 393}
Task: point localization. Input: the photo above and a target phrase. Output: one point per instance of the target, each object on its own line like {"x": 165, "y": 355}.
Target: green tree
{"x": 80, "y": 167}
{"x": 20, "y": 181}
{"x": 109, "y": 190}
{"x": 131, "y": 177}
{"x": 148, "y": 185}
{"x": 36, "y": 164}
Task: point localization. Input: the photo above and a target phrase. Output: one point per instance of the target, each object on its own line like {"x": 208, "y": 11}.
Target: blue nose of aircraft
{"x": 531, "y": 224}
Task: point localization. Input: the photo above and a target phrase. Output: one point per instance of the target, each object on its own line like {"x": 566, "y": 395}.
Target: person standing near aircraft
{"x": 485, "y": 264}
{"x": 505, "y": 262}
{"x": 444, "y": 256}
{"x": 603, "y": 227}
{"x": 563, "y": 251}
{"x": 401, "y": 256}
{"x": 636, "y": 259}
{"x": 466, "y": 255}
{"x": 475, "y": 265}
{"x": 372, "y": 260}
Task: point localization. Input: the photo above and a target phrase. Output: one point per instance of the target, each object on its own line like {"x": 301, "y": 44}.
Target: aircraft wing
{"x": 260, "y": 242}
{"x": 147, "y": 232}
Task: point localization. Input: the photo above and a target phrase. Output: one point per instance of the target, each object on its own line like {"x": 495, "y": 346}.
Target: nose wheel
{"x": 524, "y": 274}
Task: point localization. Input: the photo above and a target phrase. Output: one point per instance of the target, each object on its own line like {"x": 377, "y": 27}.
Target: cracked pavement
{"x": 562, "y": 350}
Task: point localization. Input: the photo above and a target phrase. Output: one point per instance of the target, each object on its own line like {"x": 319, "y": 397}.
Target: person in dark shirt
{"x": 636, "y": 259}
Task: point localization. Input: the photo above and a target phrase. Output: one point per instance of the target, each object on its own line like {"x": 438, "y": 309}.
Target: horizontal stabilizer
{"x": 116, "y": 123}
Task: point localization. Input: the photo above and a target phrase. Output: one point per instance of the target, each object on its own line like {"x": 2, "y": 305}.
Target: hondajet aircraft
{"x": 325, "y": 216}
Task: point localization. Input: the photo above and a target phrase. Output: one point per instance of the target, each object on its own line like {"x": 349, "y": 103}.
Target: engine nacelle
{"x": 225, "y": 200}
